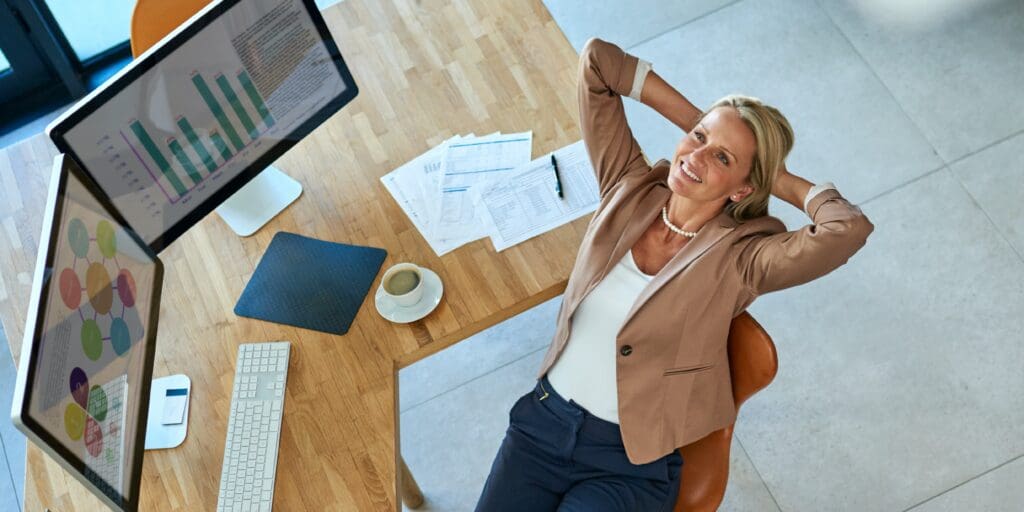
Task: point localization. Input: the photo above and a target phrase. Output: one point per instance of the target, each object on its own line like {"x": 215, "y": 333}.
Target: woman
{"x": 639, "y": 364}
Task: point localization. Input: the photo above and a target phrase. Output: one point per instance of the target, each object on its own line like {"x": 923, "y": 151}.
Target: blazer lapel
{"x": 637, "y": 223}
{"x": 645, "y": 212}
{"x": 707, "y": 236}
{"x": 641, "y": 216}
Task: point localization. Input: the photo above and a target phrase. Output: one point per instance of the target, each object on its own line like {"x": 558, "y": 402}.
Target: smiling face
{"x": 719, "y": 151}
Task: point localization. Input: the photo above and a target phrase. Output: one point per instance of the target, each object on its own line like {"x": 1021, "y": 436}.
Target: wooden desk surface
{"x": 427, "y": 70}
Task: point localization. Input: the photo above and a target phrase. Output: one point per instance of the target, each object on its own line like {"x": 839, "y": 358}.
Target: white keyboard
{"x": 254, "y": 428}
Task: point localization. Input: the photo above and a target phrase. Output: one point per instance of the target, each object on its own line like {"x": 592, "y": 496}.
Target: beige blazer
{"x": 672, "y": 362}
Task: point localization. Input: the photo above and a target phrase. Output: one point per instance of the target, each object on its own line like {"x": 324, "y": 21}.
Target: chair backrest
{"x": 753, "y": 363}
{"x": 154, "y": 19}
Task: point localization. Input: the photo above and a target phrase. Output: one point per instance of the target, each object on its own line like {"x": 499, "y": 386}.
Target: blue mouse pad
{"x": 310, "y": 283}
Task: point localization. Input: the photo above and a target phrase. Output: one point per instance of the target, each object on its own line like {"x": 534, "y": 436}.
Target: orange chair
{"x": 154, "y": 19}
{"x": 753, "y": 364}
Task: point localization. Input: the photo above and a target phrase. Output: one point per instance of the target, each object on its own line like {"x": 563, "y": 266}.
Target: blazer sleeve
{"x": 774, "y": 262}
{"x": 606, "y": 73}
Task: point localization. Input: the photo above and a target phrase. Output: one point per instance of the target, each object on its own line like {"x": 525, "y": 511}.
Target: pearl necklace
{"x": 675, "y": 229}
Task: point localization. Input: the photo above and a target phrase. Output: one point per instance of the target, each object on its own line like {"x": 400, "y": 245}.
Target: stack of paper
{"x": 471, "y": 187}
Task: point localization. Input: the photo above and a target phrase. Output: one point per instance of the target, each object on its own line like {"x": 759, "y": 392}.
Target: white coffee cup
{"x": 403, "y": 284}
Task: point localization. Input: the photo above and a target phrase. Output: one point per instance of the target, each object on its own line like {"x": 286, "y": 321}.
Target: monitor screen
{"x": 83, "y": 392}
{"x": 197, "y": 116}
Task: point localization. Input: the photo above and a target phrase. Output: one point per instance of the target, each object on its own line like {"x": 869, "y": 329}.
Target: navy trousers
{"x": 556, "y": 456}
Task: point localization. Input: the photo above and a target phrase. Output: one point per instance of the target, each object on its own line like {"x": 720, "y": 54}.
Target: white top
{"x": 585, "y": 372}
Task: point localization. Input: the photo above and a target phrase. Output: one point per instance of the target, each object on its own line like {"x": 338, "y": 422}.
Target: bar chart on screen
{"x": 184, "y": 126}
{"x": 191, "y": 156}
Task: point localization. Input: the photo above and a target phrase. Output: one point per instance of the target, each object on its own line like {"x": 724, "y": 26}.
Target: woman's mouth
{"x": 693, "y": 177}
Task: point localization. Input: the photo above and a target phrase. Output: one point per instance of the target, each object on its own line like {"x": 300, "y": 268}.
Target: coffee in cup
{"x": 403, "y": 283}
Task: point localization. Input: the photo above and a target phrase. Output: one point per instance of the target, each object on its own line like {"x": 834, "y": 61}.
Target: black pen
{"x": 558, "y": 181}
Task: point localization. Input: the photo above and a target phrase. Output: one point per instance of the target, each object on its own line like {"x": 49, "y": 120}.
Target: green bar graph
{"x": 218, "y": 112}
{"x": 225, "y": 153}
{"x": 184, "y": 161}
{"x": 154, "y": 153}
{"x": 254, "y": 97}
{"x": 197, "y": 144}
{"x": 236, "y": 105}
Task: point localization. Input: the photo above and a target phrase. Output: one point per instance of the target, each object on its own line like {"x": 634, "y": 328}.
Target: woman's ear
{"x": 741, "y": 193}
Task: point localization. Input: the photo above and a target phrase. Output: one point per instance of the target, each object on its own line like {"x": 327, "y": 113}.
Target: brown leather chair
{"x": 753, "y": 363}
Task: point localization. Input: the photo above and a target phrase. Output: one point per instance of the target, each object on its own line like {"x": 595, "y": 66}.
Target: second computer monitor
{"x": 82, "y": 391}
{"x": 200, "y": 114}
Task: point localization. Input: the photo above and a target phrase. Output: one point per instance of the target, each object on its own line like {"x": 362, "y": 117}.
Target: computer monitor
{"x": 82, "y": 391}
{"x": 204, "y": 111}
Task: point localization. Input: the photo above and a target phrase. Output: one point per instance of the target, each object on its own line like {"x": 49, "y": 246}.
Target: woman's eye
{"x": 721, "y": 156}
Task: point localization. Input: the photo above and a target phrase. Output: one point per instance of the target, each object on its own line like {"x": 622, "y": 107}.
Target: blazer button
{"x": 626, "y": 350}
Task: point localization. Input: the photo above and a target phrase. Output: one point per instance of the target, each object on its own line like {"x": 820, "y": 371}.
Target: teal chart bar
{"x": 225, "y": 153}
{"x": 255, "y": 98}
{"x": 197, "y": 144}
{"x": 184, "y": 161}
{"x": 218, "y": 112}
{"x": 236, "y": 105}
{"x": 154, "y": 153}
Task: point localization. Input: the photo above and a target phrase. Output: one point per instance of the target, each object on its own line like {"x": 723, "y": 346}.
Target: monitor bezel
{"x": 64, "y": 168}
{"x": 149, "y": 59}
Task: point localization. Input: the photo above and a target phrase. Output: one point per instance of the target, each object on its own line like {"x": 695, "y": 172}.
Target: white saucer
{"x": 432, "y": 292}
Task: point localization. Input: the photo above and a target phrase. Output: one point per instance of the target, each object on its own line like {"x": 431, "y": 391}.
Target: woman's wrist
{"x": 791, "y": 189}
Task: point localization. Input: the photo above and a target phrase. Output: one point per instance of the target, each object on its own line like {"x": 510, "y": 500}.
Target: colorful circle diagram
{"x": 101, "y": 283}
{"x": 93, "y": 437}
{"x": 79, "y": 387}
{"x": 101, "y": 296}
{"x": 99, "y": 288}
{"x": 126, "y": 288}
{"x": 74, "y": 421}
{"x": 70, "y": 288}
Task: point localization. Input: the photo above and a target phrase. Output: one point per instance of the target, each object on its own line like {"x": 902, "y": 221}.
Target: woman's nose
{"x": 699, "y": 155}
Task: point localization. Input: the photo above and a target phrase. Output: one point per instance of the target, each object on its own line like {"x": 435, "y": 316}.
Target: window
{"x": 53, "y": 52}
{"x": 92, "y": 27}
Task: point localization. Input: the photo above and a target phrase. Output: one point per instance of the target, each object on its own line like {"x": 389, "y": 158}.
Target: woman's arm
{"x": 783, "y": 260}
{"x": 668, "y": 102}
{"x": 779, "y": 261}
{"x": 606, "y": 73}
{"x": 791, "y": 188}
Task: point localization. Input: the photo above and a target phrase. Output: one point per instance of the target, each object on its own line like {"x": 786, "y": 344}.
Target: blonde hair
{"x": 774, "y": 138}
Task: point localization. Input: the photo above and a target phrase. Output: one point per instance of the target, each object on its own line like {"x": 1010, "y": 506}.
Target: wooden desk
{"x": 426, "y": 70}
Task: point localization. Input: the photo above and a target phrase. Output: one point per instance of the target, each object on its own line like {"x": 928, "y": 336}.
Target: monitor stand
{"x": 158, "y": 435}
{"x": 258, "y": 201}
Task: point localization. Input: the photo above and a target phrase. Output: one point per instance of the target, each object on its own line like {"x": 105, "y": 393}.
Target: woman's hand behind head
{"x": 781, "y": 176}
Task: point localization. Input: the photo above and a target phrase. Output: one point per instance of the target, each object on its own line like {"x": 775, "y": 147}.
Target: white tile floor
{"x": 899, "y": 379}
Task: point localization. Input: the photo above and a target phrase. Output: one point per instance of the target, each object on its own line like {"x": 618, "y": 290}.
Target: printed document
{"x": 525, "y": 203}
{"x": 468, "y": 164}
